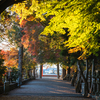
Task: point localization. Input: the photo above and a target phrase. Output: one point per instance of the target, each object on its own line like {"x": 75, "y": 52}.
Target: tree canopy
{"x": 81, "y": 17}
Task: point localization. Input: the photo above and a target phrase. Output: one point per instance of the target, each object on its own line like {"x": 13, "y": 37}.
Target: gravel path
{"x": 45, "y": 89}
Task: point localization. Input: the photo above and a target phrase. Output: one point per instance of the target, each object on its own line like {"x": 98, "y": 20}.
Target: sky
{"x": 5, "y": 45}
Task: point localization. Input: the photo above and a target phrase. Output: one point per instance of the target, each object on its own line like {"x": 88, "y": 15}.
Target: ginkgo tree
{"x": 80, "y": 17}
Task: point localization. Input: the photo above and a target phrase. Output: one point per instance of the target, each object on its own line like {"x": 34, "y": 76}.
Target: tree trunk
{"x": 87, "y": 74}
{"x": 93, "y": 70}
{"x": 85, "y": 80}
{"x": 41, "y": 68}
{"x": 78, "y": 86}
{"x": 87, "y": 69}
{"x": 34, "y": 72}
{"x": 20, "y": 63}
{"x": 1, "y": 83}
{"x": 63, "y": 73}
{"x": 69, "y": 70}
{"x": 78, "y": 71}
{"x": 58, "y": 70}
{"x": 73, "y": 79}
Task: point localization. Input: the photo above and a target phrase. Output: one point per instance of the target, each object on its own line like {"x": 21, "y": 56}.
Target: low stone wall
{"x": 13, "y": 86}
{"x": 1, "y": 89}
{"x": 25, "y": 81}
{"x": 8, "y": 87}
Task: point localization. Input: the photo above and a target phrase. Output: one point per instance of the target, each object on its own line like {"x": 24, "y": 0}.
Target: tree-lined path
{"x": 61, "y": 32}
{"x": 45, "y": 89}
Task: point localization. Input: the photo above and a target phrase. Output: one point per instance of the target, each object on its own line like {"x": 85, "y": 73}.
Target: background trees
{"x": 2, "y": 67}
{"x": 11, "y": 58}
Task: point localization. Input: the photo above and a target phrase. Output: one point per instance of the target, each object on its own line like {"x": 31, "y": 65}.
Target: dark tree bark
{"x": 6, "y": 3}
{"x": 63, "y": 73}
{"x": 34, "y": 72}
{"x": 69, "y": 70}
{"x": 1, "y": 83}
{"x": 58, "y": 70}
{"x": 41, "y": 68}
{"x": 69, "y": 67}
{"x": 85, "y": 80}
{"x": 87, "y": 75}
{"x": 20, "y": 63}
{"x": 87, "y": 69}
{"x": 73, "y": 79}
{"x": 93, "y": 71}
{"x": 78, "y": 86}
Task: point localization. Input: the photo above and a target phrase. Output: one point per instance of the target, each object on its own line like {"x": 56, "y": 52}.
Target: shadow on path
{"x": 47, "y": 88}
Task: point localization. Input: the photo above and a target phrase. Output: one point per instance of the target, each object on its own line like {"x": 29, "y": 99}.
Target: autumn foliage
{"x": 10, "y": 57}
{"x": 30, "y": 40}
